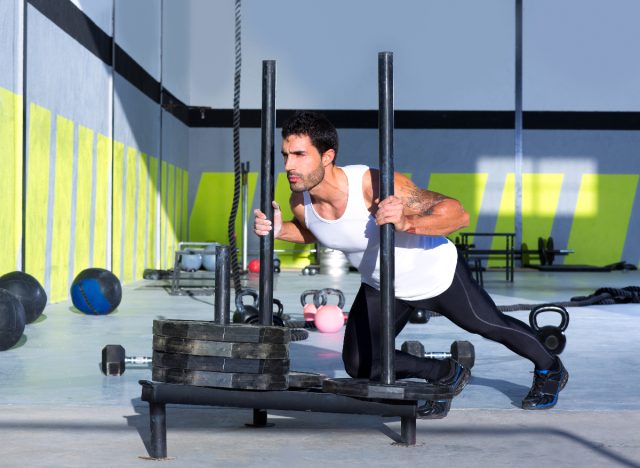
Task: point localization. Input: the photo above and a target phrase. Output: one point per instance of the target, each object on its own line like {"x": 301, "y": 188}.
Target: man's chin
{"x": 296, "y": 188}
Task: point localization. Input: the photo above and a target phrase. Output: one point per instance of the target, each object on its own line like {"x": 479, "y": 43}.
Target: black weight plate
{"x": 551, "y": 254}
{"x": 400, "y": 390}
{"x": 167, "y": 344}
{"x": 220, "y": 364}
{"x": 305, "y": 379}
{"x": 542, "y": 251}
{"x": 239, "y": 381}
{"x": 525, "y": 256}
{"x": 236, "y": 333}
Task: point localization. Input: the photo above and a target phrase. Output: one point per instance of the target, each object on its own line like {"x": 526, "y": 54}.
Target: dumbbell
{"x": 462, "y": 352}
{"x": 311, "y": 270}
{"x": 114, "y": 360}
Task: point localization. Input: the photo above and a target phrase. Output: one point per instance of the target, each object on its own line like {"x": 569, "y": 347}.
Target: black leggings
{"x": 465, "y": 303}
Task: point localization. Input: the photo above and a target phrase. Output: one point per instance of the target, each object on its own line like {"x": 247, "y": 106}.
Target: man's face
{"x": 303, "y": 163}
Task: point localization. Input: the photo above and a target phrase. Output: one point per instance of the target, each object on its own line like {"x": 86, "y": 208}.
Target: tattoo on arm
{"x": 423, "y": 200}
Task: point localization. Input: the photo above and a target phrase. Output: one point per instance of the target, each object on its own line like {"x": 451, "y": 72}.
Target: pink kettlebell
{"x": 329, "y": 318}
{"x": 309, "y": 309}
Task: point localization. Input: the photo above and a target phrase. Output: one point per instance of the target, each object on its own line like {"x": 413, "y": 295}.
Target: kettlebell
{"x": 551, "y": 337}
{"x": 309, "y": 309}
{"x": 329, "y": 318}
{"x": 245, "y": 310}
{"x": 250, "y": 314}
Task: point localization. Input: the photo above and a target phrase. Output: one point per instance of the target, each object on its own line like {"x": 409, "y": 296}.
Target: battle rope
{"x": 237, "y": 174}
{"x": 602, "y": 296}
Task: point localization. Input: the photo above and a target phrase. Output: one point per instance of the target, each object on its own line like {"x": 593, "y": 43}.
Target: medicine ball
{"x": 28, "y": 291}
{"x": 209, "y": 258}
{"x": 12, "y": 320}
{"x": 191, "y": 260}
{"x": 96, "y": 291}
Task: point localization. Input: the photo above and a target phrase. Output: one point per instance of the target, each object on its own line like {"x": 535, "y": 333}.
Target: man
{"x": 339, "y": 208}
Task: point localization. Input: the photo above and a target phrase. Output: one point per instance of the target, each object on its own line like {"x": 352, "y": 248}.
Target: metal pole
{"x": 385, "y": 135}
{"x": 222, "y": 300}
{"x": 245, "y": 214}
{"x": 266, "y": 189}
{"x": 518, "y": 126}
{"x": 158, "y": 428}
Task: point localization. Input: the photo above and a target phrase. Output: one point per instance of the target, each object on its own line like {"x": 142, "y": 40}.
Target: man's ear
{"x": 328, "y": 157}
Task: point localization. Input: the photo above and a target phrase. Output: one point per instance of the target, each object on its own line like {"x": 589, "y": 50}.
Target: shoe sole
{"x": 434, "y": 409}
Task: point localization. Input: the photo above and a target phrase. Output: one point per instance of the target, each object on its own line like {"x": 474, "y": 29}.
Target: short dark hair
{"x": 317, "y": 127}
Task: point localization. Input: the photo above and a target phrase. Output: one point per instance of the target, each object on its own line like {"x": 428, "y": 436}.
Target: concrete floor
{"x": 57, "y": 409}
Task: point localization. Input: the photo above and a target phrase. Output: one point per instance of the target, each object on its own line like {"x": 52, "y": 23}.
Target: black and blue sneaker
{"x": 546, "y": 387}
{"x": 457, "y": 379}
{"x": 433, "y": 409}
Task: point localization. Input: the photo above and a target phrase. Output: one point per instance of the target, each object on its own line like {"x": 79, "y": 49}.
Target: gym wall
{"x": 11, "y": 135}
{"x": 105, "y": 174}
{"x": 455, "y": 99}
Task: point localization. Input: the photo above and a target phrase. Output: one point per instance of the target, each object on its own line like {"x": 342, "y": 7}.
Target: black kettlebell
{"x": 245, "y": 310}
{"x": 551, "y": 337}
{"x": 250, "y": 314}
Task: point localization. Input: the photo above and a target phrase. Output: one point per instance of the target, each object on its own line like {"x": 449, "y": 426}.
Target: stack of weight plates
{"x": 207, "y": 354}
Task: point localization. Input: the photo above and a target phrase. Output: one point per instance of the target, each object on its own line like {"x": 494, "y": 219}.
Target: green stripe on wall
{"x": 152, "y": 242}
{"x": 164, "y": 261}
{"x": 11, "y": 186}
{"x": 116, "y": 210}
{"x": 37, "y": 191}
{"x": 540, "y": 197}
{"x": 143, "y": 215}
{"x": 130, "y": 214}
{"x": 171, "y": 214}
{"x": 601, "y": 218}
{"x": 101, "y": 223}
{"x": 185, "y": 204}
{"x": 61, "y": 234}
{"x": 468, "y": 189}
{"x": 209, "y": 220}
{"x": 83, "y": 200}
{"x": 178, "y": 216}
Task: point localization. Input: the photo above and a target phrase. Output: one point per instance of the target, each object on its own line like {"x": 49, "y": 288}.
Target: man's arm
{"x": 418, "y": 211}
{"x": 291, "y": 231}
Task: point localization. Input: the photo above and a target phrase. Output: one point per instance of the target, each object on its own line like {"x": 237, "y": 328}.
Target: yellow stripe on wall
{"x": 11, "y": 186}
{"x": 101, "y": 218}
{"x": 143, "y": 214}
{"x": 540, "y": 197}
{"x": 185, "y": 204}
{"x": 83, "y": 200}
{"x": 178, "y": 216}
{"x": 116, "y": 210}
{"x": 164, "y": 262}
{"x": 171, "y": 214}
{"x": 61, "y": 235}
{"x": 37, "y": 191}
{"x": 152, "y": 243}
{"x": 130, "y": 215}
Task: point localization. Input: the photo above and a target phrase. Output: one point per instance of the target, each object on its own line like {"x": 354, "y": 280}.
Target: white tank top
{"x": 424, "y": 265}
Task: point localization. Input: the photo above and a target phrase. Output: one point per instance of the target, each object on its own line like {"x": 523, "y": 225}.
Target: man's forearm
{"x": 442, "y": 219}
{"x": 293, "y": 232}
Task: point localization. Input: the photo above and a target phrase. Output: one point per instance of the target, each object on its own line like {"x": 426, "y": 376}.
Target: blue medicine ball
{"x": 96, "y": 291}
